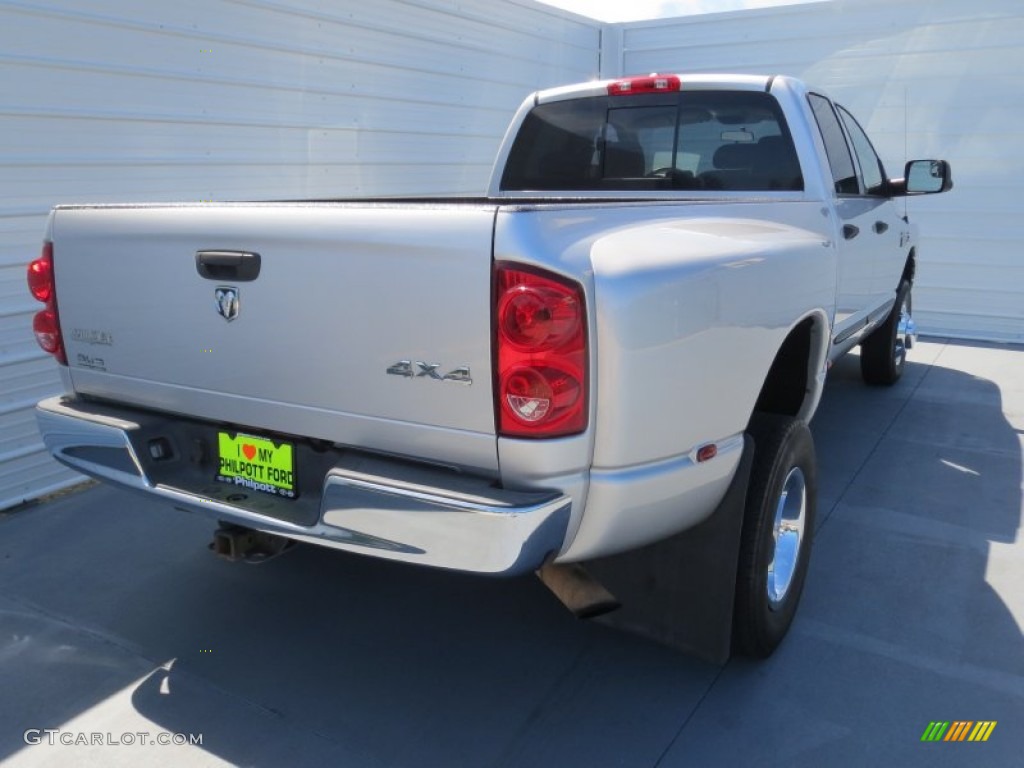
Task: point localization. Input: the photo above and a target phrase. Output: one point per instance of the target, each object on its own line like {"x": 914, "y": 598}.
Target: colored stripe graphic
{"x": 959, "y": 730}
{"x": 935, "y": 731}
{"x": 982, "y": 730}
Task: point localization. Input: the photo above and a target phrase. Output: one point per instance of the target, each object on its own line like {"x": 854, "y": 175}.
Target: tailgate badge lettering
{"x": 88, "y": 361}
{"x": 417, "y": 369}
{"x": 227, "y": 302}
{"x": 92, "y": 336}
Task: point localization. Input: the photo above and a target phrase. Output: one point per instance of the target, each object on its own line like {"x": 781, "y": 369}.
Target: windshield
{"x": 713, "y": 140}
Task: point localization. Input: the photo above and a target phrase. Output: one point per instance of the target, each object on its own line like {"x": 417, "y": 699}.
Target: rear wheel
{"x": 778, "y": 527}
{"x": 883, "y": 354}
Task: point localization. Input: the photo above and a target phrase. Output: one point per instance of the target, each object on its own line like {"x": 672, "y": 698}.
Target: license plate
{"x": 256, "y": 464}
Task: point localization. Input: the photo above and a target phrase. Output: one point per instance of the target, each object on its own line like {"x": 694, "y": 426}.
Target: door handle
{"x": 238, "y": 266}
{"x": 850, "y": 231}
{"x": 880, "y": 227}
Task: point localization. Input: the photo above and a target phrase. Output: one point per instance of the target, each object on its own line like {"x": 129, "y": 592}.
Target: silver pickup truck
{"x": 570, "y": 367}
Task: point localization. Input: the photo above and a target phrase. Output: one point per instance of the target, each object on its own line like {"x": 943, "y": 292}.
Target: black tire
{"x": 766, "y": 601}
{"x": 883, "y": 354}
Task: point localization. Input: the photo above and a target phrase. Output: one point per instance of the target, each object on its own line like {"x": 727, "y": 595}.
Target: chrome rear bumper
{"x": 376, "y": 506}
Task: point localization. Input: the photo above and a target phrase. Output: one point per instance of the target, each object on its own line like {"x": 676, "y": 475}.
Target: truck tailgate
{"x": 344, "y": 293}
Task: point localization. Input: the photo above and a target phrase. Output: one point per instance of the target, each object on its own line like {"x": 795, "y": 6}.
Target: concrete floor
{"x": 114, "y": 619}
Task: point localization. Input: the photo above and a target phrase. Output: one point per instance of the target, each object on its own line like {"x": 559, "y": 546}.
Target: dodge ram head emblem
{"x": 227, "y": 302}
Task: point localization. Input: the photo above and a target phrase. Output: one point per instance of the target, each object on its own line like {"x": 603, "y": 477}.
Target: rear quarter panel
{"x": 689, "y": 304}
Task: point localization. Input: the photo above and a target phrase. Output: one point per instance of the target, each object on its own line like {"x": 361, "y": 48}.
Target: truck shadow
{"x": 325, "y": 658}
{"x": 366, "y": 663}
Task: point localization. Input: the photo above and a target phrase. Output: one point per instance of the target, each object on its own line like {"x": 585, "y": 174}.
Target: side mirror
{"x": 924, "y": 177}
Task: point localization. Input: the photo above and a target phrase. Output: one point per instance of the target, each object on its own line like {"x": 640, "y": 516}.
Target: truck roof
{"x": 685, "y": 82}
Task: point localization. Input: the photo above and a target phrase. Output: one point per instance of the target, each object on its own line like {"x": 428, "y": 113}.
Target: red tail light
{"x": 40, "y": 275}
{"x": 46, "y": 323}
{"x": 651, "y": 84}
{"x": 47, "y": 331}
{"x": 541, "y": 353}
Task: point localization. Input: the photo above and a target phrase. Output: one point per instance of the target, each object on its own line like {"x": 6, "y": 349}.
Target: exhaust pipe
{"x": 578, "y": 591}
{"x": 236, "y": 543}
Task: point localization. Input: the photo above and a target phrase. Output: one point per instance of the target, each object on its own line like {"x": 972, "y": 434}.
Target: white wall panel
{"x": 937, "y": 78}
{"x": 243, "y": 99}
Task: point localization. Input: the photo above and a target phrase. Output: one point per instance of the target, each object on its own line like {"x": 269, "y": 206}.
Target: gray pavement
{"x": 115, "y": 620}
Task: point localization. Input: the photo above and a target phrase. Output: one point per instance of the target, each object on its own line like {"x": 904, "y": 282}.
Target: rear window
{"x": 701, "y": 140}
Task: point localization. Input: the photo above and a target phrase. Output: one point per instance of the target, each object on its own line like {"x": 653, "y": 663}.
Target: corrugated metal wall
{"x": 248, "y": 99}
{"x": 940, "y": 78}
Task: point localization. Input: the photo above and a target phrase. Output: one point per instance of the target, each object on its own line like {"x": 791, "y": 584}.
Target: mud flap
{"x": 680, "y": 591}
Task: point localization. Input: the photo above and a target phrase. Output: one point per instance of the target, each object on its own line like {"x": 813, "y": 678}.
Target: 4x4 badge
{"x": 227, "y": 302}
{"x": 417, "y": 369}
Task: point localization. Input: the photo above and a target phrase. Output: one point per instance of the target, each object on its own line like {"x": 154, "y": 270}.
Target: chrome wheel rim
{"x": 787, "y": 535}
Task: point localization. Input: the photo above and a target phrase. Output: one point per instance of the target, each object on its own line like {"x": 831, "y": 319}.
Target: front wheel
{"x": 778, "y": 527}
{"x": 883, "y": 354}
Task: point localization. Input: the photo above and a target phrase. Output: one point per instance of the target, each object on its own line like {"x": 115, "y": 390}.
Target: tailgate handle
{"x": 240, "y": 266}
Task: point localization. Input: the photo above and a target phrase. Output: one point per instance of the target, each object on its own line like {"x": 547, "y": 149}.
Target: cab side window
{"x": 870, "y": 166}
{"x": 839, "y": 159}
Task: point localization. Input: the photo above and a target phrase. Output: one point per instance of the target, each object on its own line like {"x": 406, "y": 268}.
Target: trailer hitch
{"x": 236, "y": 543}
